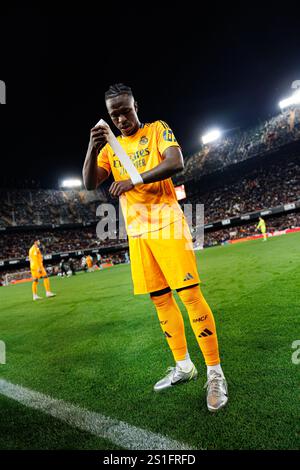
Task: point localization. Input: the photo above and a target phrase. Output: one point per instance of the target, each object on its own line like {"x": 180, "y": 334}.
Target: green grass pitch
{"x": 98, "y": 346}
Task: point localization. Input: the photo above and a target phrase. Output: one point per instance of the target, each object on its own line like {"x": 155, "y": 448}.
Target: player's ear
{"x": 136, "y": 107}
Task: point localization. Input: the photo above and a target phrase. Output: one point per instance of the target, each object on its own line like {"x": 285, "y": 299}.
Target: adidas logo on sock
{"x": 205, "y": 332}
{"x": 167, "y": 335}
{"x": 188, "y": 276}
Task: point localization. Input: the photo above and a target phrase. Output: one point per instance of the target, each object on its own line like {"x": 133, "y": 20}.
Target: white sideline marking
{"x": 118, "y": 432}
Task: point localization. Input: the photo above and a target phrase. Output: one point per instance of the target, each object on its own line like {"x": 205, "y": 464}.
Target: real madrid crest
{"x": 144, "y": 140}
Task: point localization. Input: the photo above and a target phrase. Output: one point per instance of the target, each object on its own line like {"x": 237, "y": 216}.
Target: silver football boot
{"x": 217, "y": 391}
{"x": 175, "y": 376}
{"x": 50, "y": 294}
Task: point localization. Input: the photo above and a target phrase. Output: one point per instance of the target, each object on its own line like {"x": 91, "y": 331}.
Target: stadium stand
{"x": 263, "y": 187}
{"x": 278, "y": 131}
{"x": 41, "y": 207}
{"x": 15, "y": 245}
{"x": 266, "y": 186}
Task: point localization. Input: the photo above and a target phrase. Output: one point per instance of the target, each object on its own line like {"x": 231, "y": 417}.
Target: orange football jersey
{"x": 35, "y": 258}
{"x": 147, "y": 207}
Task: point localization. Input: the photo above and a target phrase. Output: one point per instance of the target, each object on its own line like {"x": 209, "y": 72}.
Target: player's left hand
{"x": 120, "y": 187}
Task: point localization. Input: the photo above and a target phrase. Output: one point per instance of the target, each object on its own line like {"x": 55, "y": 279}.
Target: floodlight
{"x": 211, "y": 136}
{"x": 294, "y": 99}
{"x": 71, "y": 183}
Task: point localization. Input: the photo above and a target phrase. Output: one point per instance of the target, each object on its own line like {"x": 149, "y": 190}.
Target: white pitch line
{"x": 117, "y": 432}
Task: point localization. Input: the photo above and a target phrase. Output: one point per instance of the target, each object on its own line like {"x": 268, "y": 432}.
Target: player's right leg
{"x": 172, "y": 325}
{"x": 148, "y": 278}
{"x": 35, "y": 280}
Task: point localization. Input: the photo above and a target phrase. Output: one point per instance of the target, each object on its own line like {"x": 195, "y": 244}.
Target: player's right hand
{"x": 98, "y": 136}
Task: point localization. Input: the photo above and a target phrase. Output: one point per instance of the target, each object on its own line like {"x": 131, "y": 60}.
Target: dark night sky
{"x": 192, "y": 69}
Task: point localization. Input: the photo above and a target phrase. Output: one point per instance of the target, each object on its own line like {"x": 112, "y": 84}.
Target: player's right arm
{"x": 93, "y": 175}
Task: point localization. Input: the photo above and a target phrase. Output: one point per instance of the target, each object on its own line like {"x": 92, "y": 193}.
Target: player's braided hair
{"x": 116, "y": 90}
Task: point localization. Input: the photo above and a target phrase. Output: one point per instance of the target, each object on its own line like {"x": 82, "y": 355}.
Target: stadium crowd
{"x": 268, "y": 136}
{"x": 17, "y": 244}
{"x": 264, "y": 187}
{"x": 38, "y": 207}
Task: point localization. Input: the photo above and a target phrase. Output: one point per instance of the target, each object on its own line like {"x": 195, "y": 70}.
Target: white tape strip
{"x": 122, "y": 155}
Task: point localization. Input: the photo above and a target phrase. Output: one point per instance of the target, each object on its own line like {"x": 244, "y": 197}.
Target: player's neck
{"x": 135, "y": 130}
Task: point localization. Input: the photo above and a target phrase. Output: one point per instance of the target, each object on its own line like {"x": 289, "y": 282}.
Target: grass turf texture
{"x": 98, "y": 346}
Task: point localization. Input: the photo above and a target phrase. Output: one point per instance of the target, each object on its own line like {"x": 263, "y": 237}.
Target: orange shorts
{"x": 36, "y": 275}
{"x": 164, "y": 258}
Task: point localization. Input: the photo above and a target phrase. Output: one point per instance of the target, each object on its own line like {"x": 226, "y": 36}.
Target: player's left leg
{"x": 265, "y": 236}
{"x": 204, "y": 327}
{"x": 47, "y": 284}
{"x": 178, "y": 263}
{"x": 202, "y": 322}
{"x": 172, "y": 325}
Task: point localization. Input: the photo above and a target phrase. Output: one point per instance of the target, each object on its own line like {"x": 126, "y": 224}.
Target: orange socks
{"x": 203, "y": 323}
{"x": 201, "y": 318}
{"x": 171, "y": 322}
{"x": 34, "y": 288}
{"x": 47, "y": 284}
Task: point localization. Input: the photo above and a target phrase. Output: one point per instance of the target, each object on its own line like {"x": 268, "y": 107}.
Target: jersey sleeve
{"x": 165, "y": 137}
{"x": 103, "y": 160}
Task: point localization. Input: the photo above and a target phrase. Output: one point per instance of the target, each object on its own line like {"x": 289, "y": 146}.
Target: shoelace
{"x": 173, "y": 370}
{"x": 214, "y": 383}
